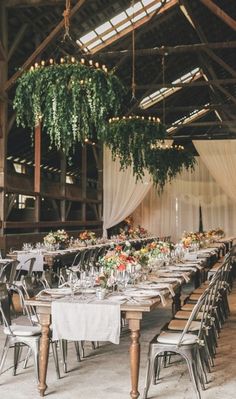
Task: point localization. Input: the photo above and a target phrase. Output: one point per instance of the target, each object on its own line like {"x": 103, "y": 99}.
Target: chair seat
{"x": 194, "y": 297}
{"x": 199, "y": 290}
{"x": 169, "y": 338}
{"x": 184, "y": 314}
{"x": 188, "y": 307}
{"x": 22, "y": 331}
{"x": 180, "y": 325}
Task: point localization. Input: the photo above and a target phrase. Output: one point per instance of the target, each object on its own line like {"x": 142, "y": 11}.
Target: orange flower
{"x": 121, "y": 267}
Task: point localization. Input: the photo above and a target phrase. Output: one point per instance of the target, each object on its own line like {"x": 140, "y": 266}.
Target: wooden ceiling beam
{"x": 2, "y": 52}
{"x": 19, "y": 36}
{"x": 205, "y": 124}
{"x": 186, "y": 9}
{"x": 198, "y": 83}
{"x": 42, "y": 46}
{"x": 135, "y": 25}
{"x": 227, "y": 19}
{"x": 33, "y": 3}
{"x": 167, "y": 50}
{"x": 185, "y": 108}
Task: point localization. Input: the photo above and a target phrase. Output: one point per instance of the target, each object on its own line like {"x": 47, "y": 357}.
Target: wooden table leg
{"x": 43, "y": 352}
{"x": 134, "y": 326}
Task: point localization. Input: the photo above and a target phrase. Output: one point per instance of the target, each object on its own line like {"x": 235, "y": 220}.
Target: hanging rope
{"x": 133, "y": 84}
{"x": 66, "y": 15}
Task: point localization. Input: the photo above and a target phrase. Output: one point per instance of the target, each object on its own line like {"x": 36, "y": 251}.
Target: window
{"x": 159, "y": 95}
{"x": 141, "y": 10}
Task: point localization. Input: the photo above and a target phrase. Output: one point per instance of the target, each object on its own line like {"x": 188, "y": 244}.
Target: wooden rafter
{"x": 33, "y": 3}
{"x": 42, "y": 46}
{"x": 136, "y": 25}
{"x": 220, "y": 13}
{"x": 185, "y": 8}
{"x": 213, "y": 82}
{"x": 182, "y": 48}
{"x": 2, "y": 52}
{"x": 19, "y": 36}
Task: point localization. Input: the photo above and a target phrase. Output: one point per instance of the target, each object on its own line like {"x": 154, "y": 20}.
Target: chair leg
{"x": 63, "y": 344}
{"x": 77, "y": 348}
{"x": 82, "y": 349}
{"x": 35, "y": 349}
{"x": 55, "y": 358}
{"x": 4, "y": 353}
{"x": 16, "y": 357}
{"x": 27, "y": 358}
{"x": 193, "y": 373}
{"x": 149, "y": 374}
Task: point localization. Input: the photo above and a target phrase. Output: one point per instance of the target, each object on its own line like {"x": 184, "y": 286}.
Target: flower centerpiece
{"x": 190, "y": 239}
{"x": 58, "y": 238}
{"x": 216, "y": 233}
{"x": 117, "y": 262}
{"x": 88, "y": 237}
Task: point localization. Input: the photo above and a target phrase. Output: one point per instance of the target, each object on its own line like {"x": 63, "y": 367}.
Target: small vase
{"x": 101, "y": 293}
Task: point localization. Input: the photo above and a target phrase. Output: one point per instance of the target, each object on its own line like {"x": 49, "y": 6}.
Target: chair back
{"x": 9, "y": 271}
{"x": 202, "y": 306}
{"x": 31, "y": 262}
{"x": 77, "y": 258}
{"x": 5, "y": 305}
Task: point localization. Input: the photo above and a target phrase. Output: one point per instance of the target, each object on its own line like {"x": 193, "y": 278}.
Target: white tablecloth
{"x": 23, "y": 257}
{"x": 76, "y": 321}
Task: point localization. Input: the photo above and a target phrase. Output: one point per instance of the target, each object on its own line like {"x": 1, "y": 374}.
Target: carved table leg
{"x": 43, "y": 352}
{"x": 134, "y": 326}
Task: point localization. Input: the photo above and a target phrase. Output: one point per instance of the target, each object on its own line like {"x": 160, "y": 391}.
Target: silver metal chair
{"x": 185, "y": 343}
{"x": 17, "y": 335}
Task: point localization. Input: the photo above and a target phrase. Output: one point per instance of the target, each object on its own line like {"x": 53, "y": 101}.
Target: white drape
{"x": 219, "y": 156}
{"x": 177, "y": 209}
{"x": 121, "y": 193}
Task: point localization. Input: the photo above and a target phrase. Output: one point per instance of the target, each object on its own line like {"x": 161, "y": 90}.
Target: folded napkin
{"x": 76, "y": 321}
{"x": 181, "y": 274}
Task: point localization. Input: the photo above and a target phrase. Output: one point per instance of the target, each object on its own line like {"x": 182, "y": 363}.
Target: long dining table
{"x": 132, "y": 312}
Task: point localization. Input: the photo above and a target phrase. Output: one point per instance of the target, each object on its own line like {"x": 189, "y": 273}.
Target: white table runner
{"x": 76, "y": 321}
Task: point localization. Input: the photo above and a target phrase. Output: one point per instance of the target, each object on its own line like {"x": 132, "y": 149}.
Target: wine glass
{"x": 73, "y": 279}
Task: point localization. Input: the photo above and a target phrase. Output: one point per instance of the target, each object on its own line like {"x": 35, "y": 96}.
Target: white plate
{"x": 58, "y": 291}
{"x": 141, "y": 294}
{"x": 88, "y": 290}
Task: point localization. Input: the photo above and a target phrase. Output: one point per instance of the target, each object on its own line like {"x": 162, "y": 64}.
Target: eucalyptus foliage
{"x": 138, "y": 143}
{"x": 71, "y": 100}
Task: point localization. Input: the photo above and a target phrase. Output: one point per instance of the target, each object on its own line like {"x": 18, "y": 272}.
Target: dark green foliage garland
{"x": 72, "y": 100}
{"x": 139, "y": 142}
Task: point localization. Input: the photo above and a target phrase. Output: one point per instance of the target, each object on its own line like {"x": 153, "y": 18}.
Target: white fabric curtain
{"x": 219, "y": 156}
{"x": 121, "y": 193}
{"x": 177, "y": 209}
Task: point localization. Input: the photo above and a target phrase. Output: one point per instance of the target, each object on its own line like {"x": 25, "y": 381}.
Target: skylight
{"x": 159, "y": 95}
{"x": 196, "y": 114}
{"x": 122, "y": 24}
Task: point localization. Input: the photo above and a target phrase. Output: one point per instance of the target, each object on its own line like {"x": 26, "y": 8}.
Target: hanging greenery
{"x": 139, "y": 142}
{"x": 71, "y": 100}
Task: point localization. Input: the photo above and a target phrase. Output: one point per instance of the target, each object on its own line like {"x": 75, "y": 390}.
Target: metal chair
{"x": 17, "y": 335}
{"x": 184, "y": 343}
{"x": 9, "y": 271}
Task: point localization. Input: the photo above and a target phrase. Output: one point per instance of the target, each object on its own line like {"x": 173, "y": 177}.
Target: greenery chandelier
{"x": 139, "y": 142}
{"x": 72, "y": 100}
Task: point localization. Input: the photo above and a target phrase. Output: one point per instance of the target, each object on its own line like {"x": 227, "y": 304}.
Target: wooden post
{"x": 37, "y": 171}
{"x": 3, "y": 113}
{"x": 63, "y": 187}
{"x": 84, "y": 181}
{"x": 37, "y": 158}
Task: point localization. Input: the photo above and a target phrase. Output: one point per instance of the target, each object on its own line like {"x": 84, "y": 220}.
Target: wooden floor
{"x": 104, "y": 373}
